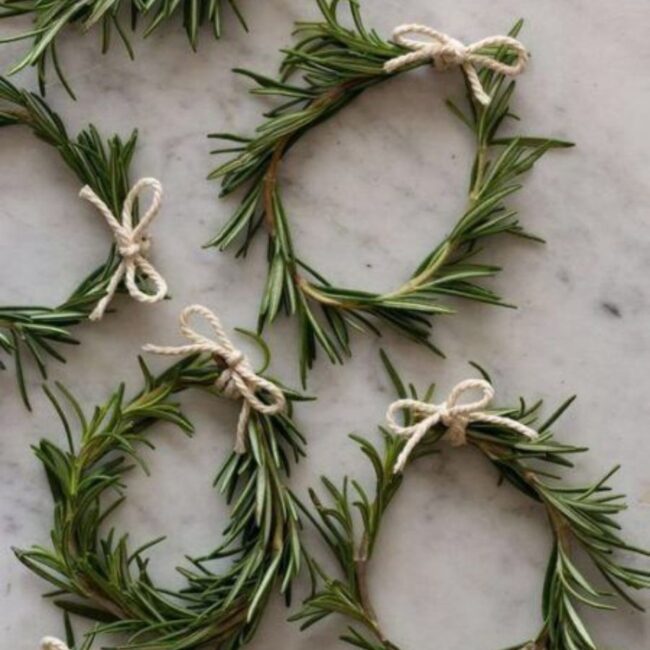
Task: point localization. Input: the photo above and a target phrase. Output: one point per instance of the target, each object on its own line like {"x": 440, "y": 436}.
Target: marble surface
{"x": 461, "y": 561}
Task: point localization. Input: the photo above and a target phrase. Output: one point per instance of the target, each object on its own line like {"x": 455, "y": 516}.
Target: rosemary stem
{"x": 361, "y": 577}
{"x": 427, "y": 274}
{"x": 270, "y": 184}
{"x": 481, "y": 161}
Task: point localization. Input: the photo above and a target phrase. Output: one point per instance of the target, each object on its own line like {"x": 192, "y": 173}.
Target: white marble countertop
{"x": 461, "y": 560}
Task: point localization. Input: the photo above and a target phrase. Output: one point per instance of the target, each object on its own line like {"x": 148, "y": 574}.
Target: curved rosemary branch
{"x": 337, "y": 64}
{"x": 97, "y": 576}
{"x": 104, "y": 166}
{"x": 581, "y": 519}
{"x": 52, "y": 17}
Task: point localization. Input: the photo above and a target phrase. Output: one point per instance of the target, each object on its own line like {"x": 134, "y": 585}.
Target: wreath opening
{"x": 344, "y": 239}
{"x": 337, "y": 64}
{"x": 97, "y": 575}
{"x": 103, "y": 168}
{"x": 582, "y": 519}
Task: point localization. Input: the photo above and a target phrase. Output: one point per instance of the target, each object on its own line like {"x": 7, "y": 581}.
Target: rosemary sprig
{"x": 97, "y": 576}
{"x": 37, "y": 331}
{"x": 337, "y": 64}
{"x": 52, "y": 17}
{"x": 581, "y": 519}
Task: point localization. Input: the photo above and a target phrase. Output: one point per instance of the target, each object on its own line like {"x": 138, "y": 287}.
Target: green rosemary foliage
{"x": 97, "y": 576}
{"x": 52, "y": 17}
{"x": 337, "y": 64}
{"x": 581, "y": 518}
{"x": 104, "y": 166}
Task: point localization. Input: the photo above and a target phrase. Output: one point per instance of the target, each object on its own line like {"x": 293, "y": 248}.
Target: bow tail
{"x": 418, "y": 432}
{"x": 111, "y": 288}
{"x": 475, "y": 84}
{"x": 242, "y": 428}
{"x": 402, "y": 61}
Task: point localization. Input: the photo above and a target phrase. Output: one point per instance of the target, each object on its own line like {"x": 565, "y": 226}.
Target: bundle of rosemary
{"x": 51, "y": 18}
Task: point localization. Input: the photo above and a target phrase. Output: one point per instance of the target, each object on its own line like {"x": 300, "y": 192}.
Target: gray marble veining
{"x": 461, "y": 561}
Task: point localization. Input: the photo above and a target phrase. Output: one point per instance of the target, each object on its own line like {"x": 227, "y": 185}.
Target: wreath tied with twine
{"x": 338, "y": 63}
{"x": 103, "y": 169}
{"x": 581, "y": 518}
{"x": 97, "y": 575}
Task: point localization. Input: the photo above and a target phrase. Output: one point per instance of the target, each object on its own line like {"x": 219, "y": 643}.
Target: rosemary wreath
{"x": 337, "y": 64}
{"x": 99, "y": 577}
{"x": 581, "y": 518}
{"x": 104, "y": 168}
{"x": 52, "y": 17}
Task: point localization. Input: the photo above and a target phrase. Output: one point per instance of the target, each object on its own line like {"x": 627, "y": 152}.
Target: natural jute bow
{"x": 456, "y": 417}
{"x": 446, "y": 52}
{"x": 52, "y": 643}
{"x": 238, "y": 381}
{"x": 133, "y": 245}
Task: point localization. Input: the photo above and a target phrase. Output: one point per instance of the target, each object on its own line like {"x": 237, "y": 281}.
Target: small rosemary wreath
{"x": 97, "y": 576}
{"x": 103, "y": 168}
{"x": 52, "y": 18}
{"x": 581, "y": 518}
{"x": 337, "y": 64}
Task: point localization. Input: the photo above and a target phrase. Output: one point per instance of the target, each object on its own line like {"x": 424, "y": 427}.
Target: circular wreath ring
{"x": 581, "y": 518}
{"x": 98, "y": 577}
{"x": 103, "y": 167}
{"x": 338, "y": 64}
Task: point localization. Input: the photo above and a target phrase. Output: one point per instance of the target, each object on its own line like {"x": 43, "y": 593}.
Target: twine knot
{"x": 133, "y": 248}
{"x": 133, "y": 245}
{"x": 454, "y": 416}
{"x": 237, "y": 364}
{"x": 52, "y": 643}
{"x": 238, "y": 380}
{"x": 449, "y": 54}
{"x": 446, "y": 52}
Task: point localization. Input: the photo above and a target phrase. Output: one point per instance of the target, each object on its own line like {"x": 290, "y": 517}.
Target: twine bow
{"x": 52, "y": 643}
{"x": 238, "y": 381}
{"x": 456, "y": 417}
{"x": 133, "y": 245}
{"x": 446, "y": 52}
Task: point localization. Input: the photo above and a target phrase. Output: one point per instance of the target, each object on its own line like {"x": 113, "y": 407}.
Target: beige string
{"x": 446, "y": 52}
{"x": 133, "y": 245}
{"x": 238, "y": 381}
{"x": 456, "y": 417}
{"x": 52, "y": 643}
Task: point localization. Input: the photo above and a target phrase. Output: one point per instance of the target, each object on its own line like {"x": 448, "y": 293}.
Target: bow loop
{"x": 446, "y": 52}
{"x": 456, "y": 417}
{"x": 133, "y": 245}
{"x": 463, "y": 387}
{"x": 449, "y": 55}
{"x": 238, "y": 380}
